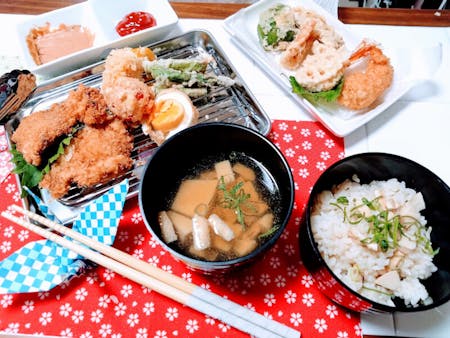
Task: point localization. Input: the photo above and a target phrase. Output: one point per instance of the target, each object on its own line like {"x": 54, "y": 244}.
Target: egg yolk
{"x": 168, "y": 114}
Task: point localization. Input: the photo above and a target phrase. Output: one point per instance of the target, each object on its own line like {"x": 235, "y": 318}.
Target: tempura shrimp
{"x": 298, "y": 49}
{"x": 123, "y": 86}
{"x": 362, "y": 88}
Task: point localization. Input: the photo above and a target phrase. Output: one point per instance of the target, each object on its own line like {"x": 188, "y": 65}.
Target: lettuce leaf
{"x": 314, "y": 97}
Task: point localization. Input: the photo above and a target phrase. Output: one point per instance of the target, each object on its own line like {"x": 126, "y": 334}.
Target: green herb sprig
{"x": 235, "y": 198}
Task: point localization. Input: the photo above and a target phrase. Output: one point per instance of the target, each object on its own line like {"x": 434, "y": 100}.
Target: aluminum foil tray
{"x": 234, "y": 104}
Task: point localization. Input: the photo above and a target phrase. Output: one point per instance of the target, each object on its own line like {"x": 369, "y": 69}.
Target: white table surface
{"x": 417, "y": 126}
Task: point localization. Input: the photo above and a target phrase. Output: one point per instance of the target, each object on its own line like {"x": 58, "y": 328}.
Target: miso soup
{"x": 223, "y": 209}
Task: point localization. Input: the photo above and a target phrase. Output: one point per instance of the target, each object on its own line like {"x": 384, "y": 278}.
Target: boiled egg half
{"x": 173, "y": 111}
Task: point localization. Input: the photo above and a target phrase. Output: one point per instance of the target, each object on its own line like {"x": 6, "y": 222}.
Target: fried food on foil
{"x": 36, "y": 132}
{"x": 95, "y": 155}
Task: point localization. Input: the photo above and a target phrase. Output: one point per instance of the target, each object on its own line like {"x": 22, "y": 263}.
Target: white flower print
{"x": 45, "y": 318}
{"x": 287, "y": 138}
{"x": 274, "y": 135}
{"x": 307, "y": 281}
{"x": 321, "y": 166}
{"x": 224, "y": 327}
{"x": 119, "y": 309}
{"x": 167, "y": 268}
{"x": 305, "y": 132}
{"x": 136, "y": 218}
{"x": 358, "y": 330}
{"x": 331, "y": 311}
{"x": 105, "y": 330}
{"x": 232, "y": 285}
{"x": 269, "y": 299}
{"x": 12, "y": 328}
{"x": 43, "y": 295}
{"x": 92, "y": 278}
{"x": 274, "y": 262}
{"x": 341, "y": 155}
{"x": 8, "y": 232}
{"x": 280, "y": 281}
{"x": 329, "y": 143}
{"x": 308, "y": 299}
{"x": 289, "y": 152}
{"x": 149, "y": 307}
{"x": 5, "y": 246}
{"x": 187, "y": 276}
{"x": 16, "y": 196}
{"x": 172, "y": 313}
{"x": 133, "y": 319}
{"x": 267, "y": 315}
{"x": 10, "y": 188}
{"x": 296, "y": 186}
{"x": 205, "y": 286}
{"x": 291, "y": 297}
{"x": 209, "y": 320}
{"x": 192, "y": 325}
{"x": 296, "y": 319}
{"x": 306, "y": 145}
{"x": 160, "y": 334}
{"x": 86, "y": 335}
{"x": 81, "y": 294}
{"x": 103, "y": 301}
{"x": 28, "y": 306}
{"x": 154, "y": 260}
{"x": 325, "y": 155}
{"x": 116, "y": 335}
{"x": 122, "y": 236}
{"x": 250, "y": 306}
{"x": 153, "y": 243}
{"x": 142, "y": 333}
{"x": 284, "y": 235}
{"x": 126, "y": 290}
{"x": 23, "y": 235}
{"x": 289, "y": 249}
{"x": 77, "y": 316}
{"x": 264, "y": 279}
{"x": 65, "y": 309}
{"x": 138, "y": 253}
{"x": 139, "y": 239}
{"x": 342, "y": 334}
{"x": 66, "y": 333}
{"x": 303, "y": 173}
{"x": 96, "y": 316}
{"x": 320, "y": 325}
{"x": 249, "y": 281}
{"x": 109, "y": 274}
{"x": 292, "y": 270}
{"x": 283, "y": 126}
{"x": 6, "y": 301}
{"x": 320, "y": 134}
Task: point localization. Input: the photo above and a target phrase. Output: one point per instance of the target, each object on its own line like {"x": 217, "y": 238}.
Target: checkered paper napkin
{"x": 43, "y": 264}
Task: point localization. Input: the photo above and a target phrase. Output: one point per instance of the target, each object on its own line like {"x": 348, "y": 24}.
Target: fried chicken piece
{"x": 39, "y": 130}
{"x": 94, "y": 156}
{"x": 89, "y": 105}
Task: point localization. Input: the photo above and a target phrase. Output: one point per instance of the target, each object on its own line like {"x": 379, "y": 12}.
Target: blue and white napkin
{"x": 43, "y": 264}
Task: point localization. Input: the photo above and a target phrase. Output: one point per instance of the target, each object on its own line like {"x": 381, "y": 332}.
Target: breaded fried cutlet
{"x": 41, "y": 129}
{"x": 94, "y": 156}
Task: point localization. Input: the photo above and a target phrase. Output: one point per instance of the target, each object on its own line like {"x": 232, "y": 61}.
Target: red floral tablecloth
{"x": 100, "y": 303}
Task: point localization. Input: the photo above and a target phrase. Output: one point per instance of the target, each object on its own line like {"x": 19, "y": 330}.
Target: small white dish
{"x": 243, "y": 28}
{"x": 100, "y": 17}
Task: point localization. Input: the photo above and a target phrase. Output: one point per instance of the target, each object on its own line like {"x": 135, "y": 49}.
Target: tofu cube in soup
{"x": 193, "y": 193}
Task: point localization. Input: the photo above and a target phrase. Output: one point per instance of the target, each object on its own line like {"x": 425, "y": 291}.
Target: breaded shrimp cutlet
{"x": 94, "y": 156}
{"x": 38, "y": 131}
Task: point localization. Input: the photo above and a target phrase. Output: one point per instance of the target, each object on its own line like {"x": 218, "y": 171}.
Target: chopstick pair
{"x": 156, "y": 279}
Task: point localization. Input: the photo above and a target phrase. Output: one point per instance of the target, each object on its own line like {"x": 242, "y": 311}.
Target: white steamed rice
{"x": 356, "y": 262}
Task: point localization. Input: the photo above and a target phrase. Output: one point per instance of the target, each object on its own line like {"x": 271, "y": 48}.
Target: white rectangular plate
{"x": 243, "y": 28}
{"x": 100, "y": 17}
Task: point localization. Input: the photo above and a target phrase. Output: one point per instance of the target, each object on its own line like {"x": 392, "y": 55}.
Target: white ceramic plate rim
{"x": 89, "y": 14}
{"x": 242, "y": 27}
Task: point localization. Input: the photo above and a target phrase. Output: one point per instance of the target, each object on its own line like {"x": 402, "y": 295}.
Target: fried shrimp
{"x": 299, "y": 48}
{"x": 362, "y": 88}
{"x": 123, "y": 86}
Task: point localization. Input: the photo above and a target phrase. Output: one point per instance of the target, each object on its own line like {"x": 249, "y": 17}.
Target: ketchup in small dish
{"x": 134, "y": 22}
